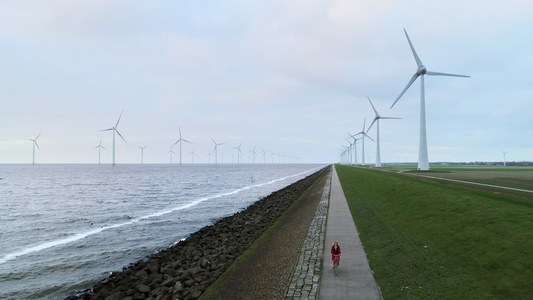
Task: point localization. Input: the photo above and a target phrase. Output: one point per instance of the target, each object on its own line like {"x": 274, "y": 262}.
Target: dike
{"x": 185, "y": 270}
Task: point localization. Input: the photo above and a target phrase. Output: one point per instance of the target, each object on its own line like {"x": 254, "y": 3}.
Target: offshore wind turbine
{"x": 216, "y": 150}
{"x": 423, "y": 160}
{"x": 114, "y": 129}
{"x": 99, "y": 147}
{"x": 171, "y": 152}
{"x": 264, "y": 155}
{"x": 239, "y": 152}
{"x": 253, "y": 154}
{"x": 192, "y": 156}
{"x": 180, "y": 141}
{"x": 376, "y": 120}
{"x": 34, "y": 142}
{"x": 142, "y": 153}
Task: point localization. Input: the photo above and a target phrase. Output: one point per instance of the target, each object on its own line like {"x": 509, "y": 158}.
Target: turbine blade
{"x": 38, "y": 135}
{"x": 107, "y": 129}
{"x": 119, "y": 118}
{"x": 418, "y": 61}
{"x": 187, "y": 141}
{"x": 374, "y": 121}
{"x": 377, "y": 115}
{"x": 415, "y": 76}
{"x": 37, "y": 145}
{"x": 445, "y": 74}
{"x": 389, "y": 118}
{"x": 121, "y": 136}
{"x": 368, "y": 137}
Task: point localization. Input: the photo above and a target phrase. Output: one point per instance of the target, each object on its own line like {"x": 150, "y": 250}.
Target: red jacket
{"x": 336, "y": 252}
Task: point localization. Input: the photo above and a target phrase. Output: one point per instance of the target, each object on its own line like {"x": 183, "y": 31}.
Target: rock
{"x": 178, "y": 287}
{"x": 143, "y": 288}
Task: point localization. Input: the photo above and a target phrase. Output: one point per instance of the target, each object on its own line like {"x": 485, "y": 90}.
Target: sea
{"x": 64, "y": 228}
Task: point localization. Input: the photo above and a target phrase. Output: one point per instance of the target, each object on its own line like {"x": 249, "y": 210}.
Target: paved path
{"x": 355, "y": 279}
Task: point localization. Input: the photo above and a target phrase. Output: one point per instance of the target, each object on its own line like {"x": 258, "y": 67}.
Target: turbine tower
{"x": 423, "y": 161}
{"x": 180, "y": 142}
{"x": 376, "y": 120}
{"x": 114, "y": 129}
{"x": 34, "y": 142}
{"x": 99, "y": 147}
{"x": 142, "y": 153}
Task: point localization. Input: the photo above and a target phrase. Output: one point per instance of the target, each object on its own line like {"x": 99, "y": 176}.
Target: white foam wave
{"x": 83, "y": 235}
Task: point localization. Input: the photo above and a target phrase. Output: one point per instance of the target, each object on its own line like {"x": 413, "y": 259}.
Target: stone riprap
{"x": 186, "y": 269}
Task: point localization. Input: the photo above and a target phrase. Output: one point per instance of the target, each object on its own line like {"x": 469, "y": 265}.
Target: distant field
{"x": 429, "y": 239}
{"x": 513, "y": 177}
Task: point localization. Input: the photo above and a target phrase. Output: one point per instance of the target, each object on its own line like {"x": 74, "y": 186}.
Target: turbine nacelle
{"x": 421, "y": 70}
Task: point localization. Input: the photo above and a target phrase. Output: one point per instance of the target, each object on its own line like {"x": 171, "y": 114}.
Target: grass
{"x": 436, "y": 241}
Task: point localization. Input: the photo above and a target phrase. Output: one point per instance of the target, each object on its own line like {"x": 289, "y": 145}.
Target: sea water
{"x": 66, "y": 227}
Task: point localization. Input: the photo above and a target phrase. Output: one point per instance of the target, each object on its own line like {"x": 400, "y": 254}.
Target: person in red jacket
{"x": 335, "y": 252}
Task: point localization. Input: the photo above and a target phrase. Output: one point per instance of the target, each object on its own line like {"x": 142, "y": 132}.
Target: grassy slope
{"x": 430, "y": 240}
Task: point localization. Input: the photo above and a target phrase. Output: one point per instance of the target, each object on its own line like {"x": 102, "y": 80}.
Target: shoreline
{"x": 185, "y": 270}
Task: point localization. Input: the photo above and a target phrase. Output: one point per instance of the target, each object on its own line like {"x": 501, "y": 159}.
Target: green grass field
{"x": 432, "y": 240}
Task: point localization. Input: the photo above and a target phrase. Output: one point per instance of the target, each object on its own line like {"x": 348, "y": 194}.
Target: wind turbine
{"x": 99, "y": 147}
{"x": 423, "y": 160}
{"x": 264, "y": 155}
{"x": 34, "y": 142}
{"x": 239, "y": 152}
{"x": 376, "y": 120}
{"x": 180, "y": 142}
{"x": 363, "y": 134}
{"x": 192, "y": 156}
{"x": 171, "y": 151}
{"x": 216, "y": 150}
{"x": 253, "y": 154}
{"x": 142, "y": 153}
{"x": 114, "y": 129}
{"x": 504, "y": 160}
{"x": 354, "y": 147}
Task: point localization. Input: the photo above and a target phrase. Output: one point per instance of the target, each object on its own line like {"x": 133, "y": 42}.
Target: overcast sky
{"x": 290, "y": 77}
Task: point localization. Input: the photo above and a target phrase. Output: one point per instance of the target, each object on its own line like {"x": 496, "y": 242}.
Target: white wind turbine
{"x": 192, "y": 156}
{"x": 239, "y": 152}
{"x": 264, "y": 155}
{"x": 363, "y": 134}
{"x": 216, "y": 150}
{"x": 253, "y": 154}
{"x": 376, "y": 120}
{"x": 114, "y": 129}
{"x": 354, "y": 147}
{"x": 99, "y": 147}
{"x": 504, "y": 158}
{"x": 34, "y": 142}
{"x": 171, "y": 152}
{"x": 180, "y": 141}
{"x": 142, "y": 153}
{"x": 423, "y": 160}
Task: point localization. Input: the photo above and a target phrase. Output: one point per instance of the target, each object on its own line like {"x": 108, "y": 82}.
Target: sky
{"x": 288, "y": 77}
